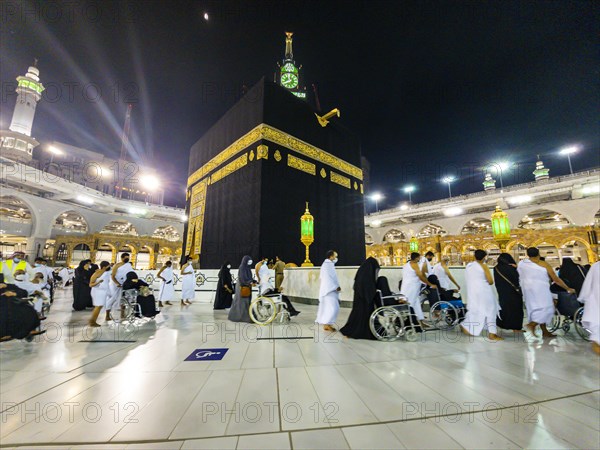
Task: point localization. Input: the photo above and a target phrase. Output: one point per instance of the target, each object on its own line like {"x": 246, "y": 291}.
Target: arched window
{"x": 167, "y": 232}
{"x": 544, "y": 219}
{"x": 394, "y": 236}
{"x": 70, "y": 221}
{"x": 14, "y": 210}
{"x": 431, "y": 229}
{"x": 120, "y": 227}
{"x": 80, "y": 252}
{"x": 61, "y": 254}
{"x": 477, "y": 226}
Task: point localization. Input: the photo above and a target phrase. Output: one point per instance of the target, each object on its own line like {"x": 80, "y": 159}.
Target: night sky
{"x": 431, "y": 87}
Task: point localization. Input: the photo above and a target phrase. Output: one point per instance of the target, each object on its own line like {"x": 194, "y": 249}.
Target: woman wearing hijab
{"x": 223, "y": 296}
{"x": 241, "y": 300}
{"x": 18, "y": 319}
{"x": 383, "y": 285}
{"x": 82, "y": 293}
{"x": 365, "y": 290}
{"x": 145, "y": 298}
{"x": 506, "y": 279}
{"x": 572, "y": 274}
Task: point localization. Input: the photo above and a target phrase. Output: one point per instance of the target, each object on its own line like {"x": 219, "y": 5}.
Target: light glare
{"x": 149, "y": 182}
{"x": 455, "y": 211}
{"x": 85, "y": 199}
{"x": 520, "y": 199}
{"x": 569, "y": 150}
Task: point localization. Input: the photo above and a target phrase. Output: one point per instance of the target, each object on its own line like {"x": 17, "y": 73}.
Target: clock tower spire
{"x": 289, "y": 76}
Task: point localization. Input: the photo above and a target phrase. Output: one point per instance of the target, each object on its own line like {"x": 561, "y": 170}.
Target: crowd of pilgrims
{"x": 497, "y": 296}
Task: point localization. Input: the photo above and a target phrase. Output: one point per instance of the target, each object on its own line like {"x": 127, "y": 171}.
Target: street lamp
{"x": 376, "y": 197}
{"x": 569, "y": 151}
{"x": 502, "y": 166}
{"x": 409, "y": 190}
{"x": 448, "y": 180}
{"x": 54, "y": 151}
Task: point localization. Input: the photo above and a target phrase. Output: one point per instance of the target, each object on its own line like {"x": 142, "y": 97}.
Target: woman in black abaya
{"x": 506, "y": 280}
{"x": 239, "y": 308}
{"x": 223, "y": 296}
{"x": 365, "y": 290}
{"x": 572, "y": 274}
{"x": 82, "y": 292}
{"x": 145, "y": 298}
{"x": 18, "y": 319}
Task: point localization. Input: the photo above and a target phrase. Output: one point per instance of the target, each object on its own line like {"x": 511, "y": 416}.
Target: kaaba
{"x": 251, "y": 174}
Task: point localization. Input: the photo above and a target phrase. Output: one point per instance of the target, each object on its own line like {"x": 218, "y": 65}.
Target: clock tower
{"x": 289, "y": 76}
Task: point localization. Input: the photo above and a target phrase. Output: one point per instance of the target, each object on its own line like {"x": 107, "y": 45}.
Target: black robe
{"x": 572, "y": 274}
{"x": 82, "y": 292}
{"x": 17, "y": 318}
{"x": 223, "y": 297}
{"x": 365, "y": 291}
{"x": 147, "y": 302}
{"x": 509, "y": 295}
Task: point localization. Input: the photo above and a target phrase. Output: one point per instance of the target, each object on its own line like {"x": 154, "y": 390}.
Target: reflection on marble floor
{"x": 290, "y": 386}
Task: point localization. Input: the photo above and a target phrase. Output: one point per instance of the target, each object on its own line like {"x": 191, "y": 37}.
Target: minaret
{"x": 29, "y": 93}
{"x": 16, "y": 143}
{"x": 489, "y": 184}
{"x": 541, "y": 173}
{"x": 289, "y": 76}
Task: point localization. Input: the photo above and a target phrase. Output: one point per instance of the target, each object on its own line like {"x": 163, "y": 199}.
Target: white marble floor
{"x": 290, "y": 386}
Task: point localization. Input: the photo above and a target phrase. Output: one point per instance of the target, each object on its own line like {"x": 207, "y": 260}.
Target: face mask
{"x": 17, "y": 260}
{"x": 249, "y": 262}
{"x": 37, "y": 264}
{"x": 19, "y": 277}
{"x": 335, "y": 260}
{"x": 229, "y": 266}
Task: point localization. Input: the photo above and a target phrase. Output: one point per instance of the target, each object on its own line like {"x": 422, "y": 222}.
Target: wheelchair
{"x": 445, "y": 310}
{"x": 443, "y": 314}
{"x": 391, "y": 320}
{"x": 130, "y": 310}
{"x": 266, "y": 308}
{"x": 568, "y": 312}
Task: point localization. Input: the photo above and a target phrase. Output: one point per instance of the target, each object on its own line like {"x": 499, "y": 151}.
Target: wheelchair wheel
{"x": 566, "y": 326}
{"x": 411, "y": 335}
{"x": 386, "y": 323}
{"x": 123, "y": 313}
{"x": 443, "y": 315}
{"x": 262, "y": 311}
{"x": 555, "y": 323}
{"x": 578, "y": 321}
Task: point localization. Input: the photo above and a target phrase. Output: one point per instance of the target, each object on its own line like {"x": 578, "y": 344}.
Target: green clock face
{"x": 289, "y": 80}
{"x": 289, "y": 67}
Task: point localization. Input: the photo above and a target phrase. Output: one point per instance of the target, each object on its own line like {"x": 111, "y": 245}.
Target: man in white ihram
{"x": 483, "y": 306}
{"x": 590, "y": 297}
{"x": 118, "y": 276}
{"x": 535, "y": 276}
{"x": 329, "y": 293}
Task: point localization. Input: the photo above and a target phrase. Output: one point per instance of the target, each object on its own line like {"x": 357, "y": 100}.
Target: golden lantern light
{"x": 500, "y": 228}
{"x": 413, "y": 245}
{"x": 307, "y": 233}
